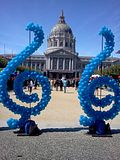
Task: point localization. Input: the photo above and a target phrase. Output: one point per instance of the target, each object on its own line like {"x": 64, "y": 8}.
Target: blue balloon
{"x": 86, "y": 89}
{"x": 18, "y": 83}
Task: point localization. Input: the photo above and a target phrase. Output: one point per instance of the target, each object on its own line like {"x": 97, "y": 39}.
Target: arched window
{"x": 66, "y": 44}
{"x": 61, "y": 43}
{"x": 55, "y": 43}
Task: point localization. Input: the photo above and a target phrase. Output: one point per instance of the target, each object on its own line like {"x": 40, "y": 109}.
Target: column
{"x": 47, "y": 62}
{"x": 72, "y": 64}
{"x": 35, "y": 66}
{"x": 48, "y": 67}
{"x": 63, "y": 64}
{"x": 57, "y": 63}
{"x": 51, "y": 63}
{"x": 40, "y": 66}
{"x": 44, "y": 67}
{"x": 69, "y": 64}
{"x": 64, "y": 43}
{"x": 31, "y": 65}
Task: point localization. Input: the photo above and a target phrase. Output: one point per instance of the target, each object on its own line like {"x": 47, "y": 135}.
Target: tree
{"x": 113, "y": 70}
{"x": 21, "y": 68}
{"x": 3, "y": 62}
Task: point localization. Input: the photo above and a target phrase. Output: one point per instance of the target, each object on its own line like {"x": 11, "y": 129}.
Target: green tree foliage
{"x": 21, "y": 68}
{"x": 3, "y": 62}
{"x": 113, "y": 70}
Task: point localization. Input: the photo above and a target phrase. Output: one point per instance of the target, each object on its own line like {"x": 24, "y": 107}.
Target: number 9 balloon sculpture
{"x": 25, "y": 112}
{"x": 86, "y": 89}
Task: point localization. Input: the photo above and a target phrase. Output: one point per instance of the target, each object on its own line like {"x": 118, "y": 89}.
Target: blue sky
{"x": 85, "y": 17}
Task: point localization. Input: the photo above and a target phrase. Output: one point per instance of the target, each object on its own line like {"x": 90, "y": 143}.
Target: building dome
{"x": 61, "y": 36}
{"x": 61, "y": 27}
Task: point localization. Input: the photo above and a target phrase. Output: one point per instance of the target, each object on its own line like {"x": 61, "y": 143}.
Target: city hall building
{"x": 60, "y": 59}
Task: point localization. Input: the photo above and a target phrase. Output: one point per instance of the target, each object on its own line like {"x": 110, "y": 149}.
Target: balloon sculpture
{"x": 25, "y": 112}
{"x": 86, "y": 89}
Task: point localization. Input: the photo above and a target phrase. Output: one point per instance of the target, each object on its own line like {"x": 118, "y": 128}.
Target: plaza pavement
{"x": 63, "y": 110}
{"x": 62, "y": 137}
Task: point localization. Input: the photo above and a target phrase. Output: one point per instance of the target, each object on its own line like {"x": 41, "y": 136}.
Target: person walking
{"x": 76, "y": 83}
{"x": 52, "y": 83}
{"x": 61, "y": 85}
{"x": 56, "y": 84}
{"x": 65, "y": 85}
{"x": 31, "y": 85}
{"x": 36, "y": 84}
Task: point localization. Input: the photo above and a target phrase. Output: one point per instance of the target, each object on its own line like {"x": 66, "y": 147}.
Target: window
{"x": 66, "y": 44}
{"x": 55, "y": 43}
{"x": 67, "y": 63}
{"x": 61, "y": 63}
{"x": 54, "y": 63}
{"x": 61, "y": 44}
{"x": 37, "y": 66}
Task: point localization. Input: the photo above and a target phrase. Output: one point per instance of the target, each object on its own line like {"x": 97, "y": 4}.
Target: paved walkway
{"x": 62, "y": 111}
{"x": 62, "y": 138}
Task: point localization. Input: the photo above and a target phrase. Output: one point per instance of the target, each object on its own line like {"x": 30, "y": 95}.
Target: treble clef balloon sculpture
{"x": 25, "y": 112}
{"x": 86, "y": 89}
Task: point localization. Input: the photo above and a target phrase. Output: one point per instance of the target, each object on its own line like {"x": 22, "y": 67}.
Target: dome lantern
{"x": 62, "y": 18}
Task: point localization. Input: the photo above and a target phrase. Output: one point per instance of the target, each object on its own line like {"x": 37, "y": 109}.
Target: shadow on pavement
{"x": 5, "y": 128}
{"x": 62, "y": 129}
{"x": 115, "y": 131}
{"x": 77, "y": 129}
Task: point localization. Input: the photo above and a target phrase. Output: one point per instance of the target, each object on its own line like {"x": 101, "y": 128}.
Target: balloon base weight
{"x": 100, "y": 129}
{"x": 29, "y": 129}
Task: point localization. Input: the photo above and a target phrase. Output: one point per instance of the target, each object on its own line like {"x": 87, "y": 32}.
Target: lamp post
{"x": 30, "y": 70}
{"x": 29, "y": 56}
{"x": 101, "y": 69}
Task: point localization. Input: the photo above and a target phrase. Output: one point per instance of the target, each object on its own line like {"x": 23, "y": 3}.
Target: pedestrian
{"x": 56, "y": 84}
{"x": 61, "y": 85}
{"x": 36, "y": 83}
{"x": 52, "y": 83}
{"x": 65, "y": 85}
{"x": 31, "y": 85}
{"x": 76, "y": 84}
